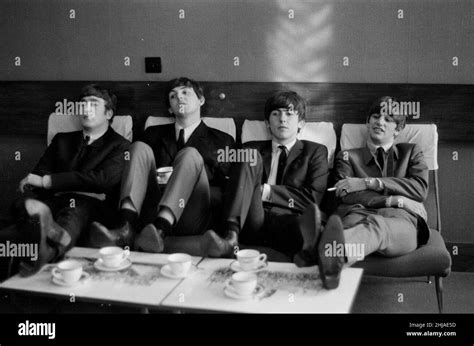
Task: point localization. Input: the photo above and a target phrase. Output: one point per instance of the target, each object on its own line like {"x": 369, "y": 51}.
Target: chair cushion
{"x": 122, "y": 124}
{"x": 430, "y": 259}
{"x": 319, "y": 132}
{"x": 226, "y": 125}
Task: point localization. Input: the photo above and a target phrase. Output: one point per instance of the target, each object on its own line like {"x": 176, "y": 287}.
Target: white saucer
{"x": 60, "y": 282}
{"x": 99, "y": 265}
{"x": 229, "y": 292}
{"x": 167, "y": 272}
{"x": 235, "y": 266}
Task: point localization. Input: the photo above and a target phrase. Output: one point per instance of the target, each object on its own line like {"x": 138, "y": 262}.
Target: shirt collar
{"x": 188, "y": 131}
{"x": 373, "y": 150}
{"x": 373, "y": 147}
{"x": 95, "y": 136}
{"x": 288, "y": 146}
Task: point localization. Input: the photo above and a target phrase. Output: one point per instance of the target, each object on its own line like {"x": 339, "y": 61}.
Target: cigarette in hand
{"x": 332, "y": 189}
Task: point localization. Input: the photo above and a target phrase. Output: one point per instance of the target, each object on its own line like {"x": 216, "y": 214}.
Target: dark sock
{"x": 130, "y": 216}
{"x": 163, "y": 224}
{"x": 232, "y": 226}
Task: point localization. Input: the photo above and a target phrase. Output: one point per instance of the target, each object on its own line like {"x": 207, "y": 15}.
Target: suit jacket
{"x": 207, "y": 141}
{"x": 304, "y": 177}
{"x": 407, "y": 175}
{"x": 95, "y": 168}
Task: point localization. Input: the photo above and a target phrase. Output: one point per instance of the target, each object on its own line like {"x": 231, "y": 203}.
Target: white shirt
{"x": 188, "y": 131}
{"x": 266, "y": 193}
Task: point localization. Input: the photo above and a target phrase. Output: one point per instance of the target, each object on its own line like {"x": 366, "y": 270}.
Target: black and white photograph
{"x": 236, "y": 171}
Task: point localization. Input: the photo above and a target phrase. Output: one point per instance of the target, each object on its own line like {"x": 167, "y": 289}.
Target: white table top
{"x": 142, "y": 284}
{"x": 286, "y": 289}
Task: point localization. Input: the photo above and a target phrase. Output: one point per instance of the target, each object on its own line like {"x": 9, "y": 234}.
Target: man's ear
{"x": 202, "y": 101}
{"x": 396, "y": 133}
{"x": 301, "y": 124}
{"x": 109, "y": 114}
{"x": 267, "y": 124}
{"x": 170, "y": 110}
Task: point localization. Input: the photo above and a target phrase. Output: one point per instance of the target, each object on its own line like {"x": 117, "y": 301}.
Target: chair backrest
{"x": 226, "y": 125}
{"x": 122, "y": 124}
{"x": 319, "y": 132}
{"x": 426, "y": 136}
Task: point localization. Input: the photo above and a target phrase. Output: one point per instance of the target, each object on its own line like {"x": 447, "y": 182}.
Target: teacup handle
{"x": 56, "y": 273}
{"x": 229, "y": 284}
{"x": 125, "y": 254}
{"x": 262, "y": 257}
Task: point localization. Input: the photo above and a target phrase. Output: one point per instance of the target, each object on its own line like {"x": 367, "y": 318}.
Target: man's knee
{"x": 189, "y": 154}
{"x": 139, "y": 149}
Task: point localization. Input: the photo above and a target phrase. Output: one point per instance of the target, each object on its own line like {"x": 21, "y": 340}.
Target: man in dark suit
{"x": 184, "y": 206}
{"x": 59, "y": 197}
{"x": 382, "y": 187}
{"x": 275, "y": 202}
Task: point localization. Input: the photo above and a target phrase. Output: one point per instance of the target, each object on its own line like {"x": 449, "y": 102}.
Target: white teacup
{"x": 250, "y": 259}
{"x": 180, "y": 263}
{"x": 163, "y": 174}
{"x": 113, "y": 256}
{"x": 68, "y": 271}
{"x": 242, "y": 283}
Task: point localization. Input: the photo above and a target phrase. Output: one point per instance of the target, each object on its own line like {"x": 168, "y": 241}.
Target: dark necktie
{"x": 180, "y": 139}
{"x": 281, "y": 164}
{"x": 380, "y": 158}
{"x": 82, "y": 149}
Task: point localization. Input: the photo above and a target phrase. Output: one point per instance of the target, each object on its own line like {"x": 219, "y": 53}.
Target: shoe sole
{"x": 330, "y": 281}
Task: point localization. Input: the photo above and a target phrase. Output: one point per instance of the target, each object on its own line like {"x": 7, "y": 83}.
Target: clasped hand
{"x": 349, "y": 185}
{"x": 31, "y": 180}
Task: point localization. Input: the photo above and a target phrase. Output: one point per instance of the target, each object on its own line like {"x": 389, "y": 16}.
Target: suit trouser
{"x": 71, "y": 211}
{"x": 187, "y": 193}
{"x": 381, "y": 230}
{"x": 263, "y": 225}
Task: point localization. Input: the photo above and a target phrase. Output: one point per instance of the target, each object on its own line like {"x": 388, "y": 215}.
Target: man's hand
{"x": 31, "y": 180}
{"x": 348, "y": 185}
{"x": 409, "y": 205}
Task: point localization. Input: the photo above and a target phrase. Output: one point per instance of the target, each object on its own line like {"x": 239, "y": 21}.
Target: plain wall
{"x": 270, "y": 46}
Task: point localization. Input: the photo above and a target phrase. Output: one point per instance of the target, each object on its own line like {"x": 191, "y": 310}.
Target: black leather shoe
{"x": 101, "y": 236}
{"x": 150, "y": 239}
{"x": 309, "y": 225}
{"x": 39, "y": 228}
{"x": 330, "y": 252}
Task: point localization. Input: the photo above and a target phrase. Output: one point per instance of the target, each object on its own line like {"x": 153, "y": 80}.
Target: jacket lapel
{"x": 198, "y": 136}
{"x": 266, "y": 153}
{"x": 169, "y": 142}
{"x": 293, "y": 154}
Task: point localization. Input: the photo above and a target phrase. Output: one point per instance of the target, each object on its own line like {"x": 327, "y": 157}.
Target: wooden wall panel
{"x": 25, "y": 106}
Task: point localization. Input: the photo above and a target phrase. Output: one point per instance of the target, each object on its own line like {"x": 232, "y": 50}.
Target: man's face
{"x": 95, "y": 115}
{"x": 284, "y": 124}
{"x": 382, "y": 129}
{"x": 184, "y": 101}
